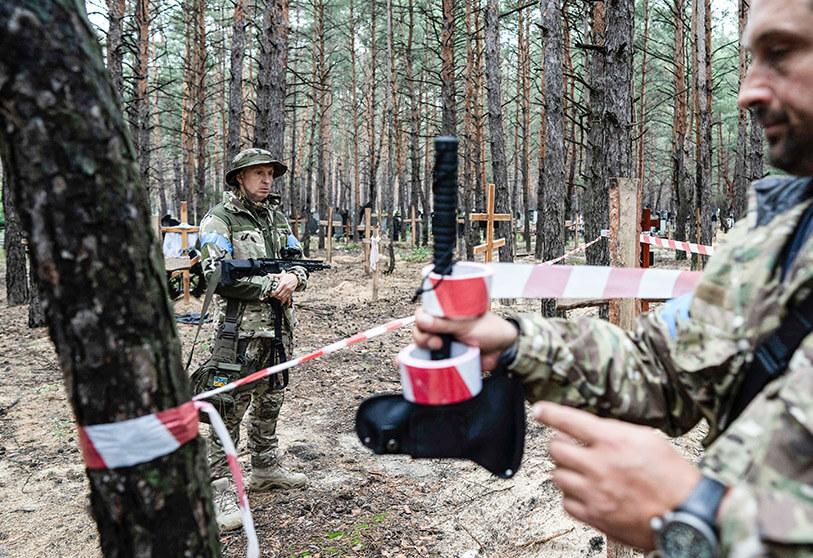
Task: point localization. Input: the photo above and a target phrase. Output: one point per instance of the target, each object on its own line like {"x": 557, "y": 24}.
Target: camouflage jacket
{"x": 238, "y": 229}
{"x": 686, "y": 361}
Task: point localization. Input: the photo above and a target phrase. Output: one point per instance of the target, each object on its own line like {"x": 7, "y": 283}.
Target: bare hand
{"x": 286, "y": 284}
{"x": 614, "y": 475}
{"x": 489, "y": 332}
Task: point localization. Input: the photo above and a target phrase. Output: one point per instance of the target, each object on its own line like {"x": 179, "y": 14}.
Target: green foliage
{"x": 417, "y": 255}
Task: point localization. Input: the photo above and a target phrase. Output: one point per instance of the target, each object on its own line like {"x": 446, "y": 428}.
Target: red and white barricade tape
{"x": 253, "y": 547}
{"x": 440, "y": 382}
{"x": 691, "y": 247}
{"x": 463, "y": 294}
{"x": 332, "y": 348}
{"x": 142, "y": 439}
{"x": 588, "y": 282}
{"x": 576, "y": 250}
{"x": 130, "y": 442}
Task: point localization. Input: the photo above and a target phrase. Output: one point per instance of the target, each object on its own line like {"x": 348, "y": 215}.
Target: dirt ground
{"x": 357, "y": 504}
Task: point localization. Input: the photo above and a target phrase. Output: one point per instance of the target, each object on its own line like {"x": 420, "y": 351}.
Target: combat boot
{"x": 275, "y": 476}
{"x": 224, "y": 497}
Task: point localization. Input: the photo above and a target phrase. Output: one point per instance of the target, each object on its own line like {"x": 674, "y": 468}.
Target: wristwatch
{"x": 690, "y": 531}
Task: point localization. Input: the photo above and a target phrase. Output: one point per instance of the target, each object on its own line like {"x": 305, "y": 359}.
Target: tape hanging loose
{"x": 691, "y": 247}
{"x": 253, "y": 546}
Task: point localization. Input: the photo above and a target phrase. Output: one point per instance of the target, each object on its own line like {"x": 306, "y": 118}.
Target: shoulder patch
{"x": 674, "y": 311}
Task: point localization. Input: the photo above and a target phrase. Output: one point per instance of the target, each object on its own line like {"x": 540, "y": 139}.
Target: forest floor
{"x": 357, "y": 504}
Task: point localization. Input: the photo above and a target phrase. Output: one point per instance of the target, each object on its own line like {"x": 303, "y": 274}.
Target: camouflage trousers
{"x": 265, "y": 402}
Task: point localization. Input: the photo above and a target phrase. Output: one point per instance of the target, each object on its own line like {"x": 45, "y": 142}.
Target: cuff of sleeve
{"x": 268, "y": 284}
{"x": 301, "y": 277}
{"x": 528, "y": 348}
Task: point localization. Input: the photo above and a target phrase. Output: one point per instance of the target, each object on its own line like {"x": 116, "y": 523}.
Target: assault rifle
{"x": 232, "y": 270}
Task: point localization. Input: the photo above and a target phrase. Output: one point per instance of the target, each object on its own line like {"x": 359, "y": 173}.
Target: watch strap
{"x": 509, "y": 355}
{"x": 704, "y": 501}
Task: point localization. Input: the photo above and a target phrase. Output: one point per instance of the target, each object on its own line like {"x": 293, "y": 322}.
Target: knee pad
{"x": 488, "y": 429}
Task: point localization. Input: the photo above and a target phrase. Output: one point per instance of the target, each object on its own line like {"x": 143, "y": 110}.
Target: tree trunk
{"x": 448, "y": 125}
{"x": 739, "y": 198}
{"x": 16, "y": 261}
{"x": 141, "y": 107}
{"x": 756, "y": 163}
{"x": 596, "y": 215}
{"x": 702, "y": 195}
{"x": 323, "y": 89}
{"x": 681, "y": 199}
{"x": 269, "y": 130}
{"x": 99, "y": 268}
{"x": 238, "y": 40}
{"x": 525, "y": 126}
{"x": 115, "y": 52}
{"x": 355, "y": 112}
{"x": 503, "y": 229}
{"x": 372, "y": 154}
{"x": 200, "y": 109}
{"x": 553, "y": 188}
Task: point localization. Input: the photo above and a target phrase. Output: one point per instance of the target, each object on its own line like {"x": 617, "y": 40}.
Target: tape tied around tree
{"x": 142, "y": 439}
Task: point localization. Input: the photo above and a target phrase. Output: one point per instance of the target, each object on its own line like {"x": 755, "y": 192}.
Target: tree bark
{"x": 16, "y": 262}
{"x": 596, "y": 216}
{"x": 702, "y": 195}
{"x": 553, "y": 188}
{"x": 115, "y": 53}
{"x": 739, "y": 198}
{"x": 681, "y": 197}
{"x": 372, "y": 153}
{"x": 238, "y": 40}
{"x": 141, "y": 106}
{"x": 269, "y": 130}
{"x": 503, "y": 229}
{"x": 98, "y": 264}
{"x": 448, "y": 125}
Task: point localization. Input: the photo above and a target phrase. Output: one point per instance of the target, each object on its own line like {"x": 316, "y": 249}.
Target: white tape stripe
{"x": 130, "y": 442}
{"x": 586, "y": 282}
{"x": 253, "y": 547}
{"x": 509, "y": 279}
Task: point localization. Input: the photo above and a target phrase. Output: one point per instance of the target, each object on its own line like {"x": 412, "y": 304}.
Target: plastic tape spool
{"x": 463, "y": 294}
{"x": 440, "y": 382}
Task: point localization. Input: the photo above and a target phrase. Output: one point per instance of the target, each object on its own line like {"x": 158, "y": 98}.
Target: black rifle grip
{"x": 444, "y": 220}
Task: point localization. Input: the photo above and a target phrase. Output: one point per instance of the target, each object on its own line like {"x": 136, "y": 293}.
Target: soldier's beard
{"x": 793, "y": 150}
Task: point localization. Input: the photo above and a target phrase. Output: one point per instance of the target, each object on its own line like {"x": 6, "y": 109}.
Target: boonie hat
{"x": 249, "y": 158}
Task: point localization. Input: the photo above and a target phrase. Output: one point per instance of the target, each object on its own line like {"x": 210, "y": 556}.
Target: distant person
{"x": 249, "y": 223}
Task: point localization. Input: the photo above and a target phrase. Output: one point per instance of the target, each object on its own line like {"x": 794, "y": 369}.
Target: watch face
{"x": 681, "y": 540}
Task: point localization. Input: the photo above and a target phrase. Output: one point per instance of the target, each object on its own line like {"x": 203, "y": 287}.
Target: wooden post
{"x": 413, "y": 225}
{"x": 489, "y": 217}
{"x": 330, "y": 235}
{"x": 367, "y": 218}
{"x": 624, "y": 241}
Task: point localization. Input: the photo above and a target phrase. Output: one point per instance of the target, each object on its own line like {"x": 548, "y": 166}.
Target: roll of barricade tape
{"x": 463, "y": 294}
{"x": 440, "y": 382}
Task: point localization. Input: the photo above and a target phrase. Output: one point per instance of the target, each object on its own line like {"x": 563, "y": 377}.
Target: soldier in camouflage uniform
{"x": 687, "y": 360}
{"x": 249, "y": 224}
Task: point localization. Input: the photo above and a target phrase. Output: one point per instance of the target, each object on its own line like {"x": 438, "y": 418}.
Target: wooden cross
{"x": 183, "y": 264}
{"x": 489, "y": 217}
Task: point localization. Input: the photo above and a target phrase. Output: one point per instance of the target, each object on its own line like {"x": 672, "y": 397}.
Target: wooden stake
{"x": 624, "y": 240}
{"x": 412, "y": 223}
{"x": 330, "y": 235}
{"x": 367, "y": 218}
{"x": 489, "y": 217}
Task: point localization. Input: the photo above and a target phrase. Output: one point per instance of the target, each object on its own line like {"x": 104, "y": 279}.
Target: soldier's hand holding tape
{"x": 491, "y": 333}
